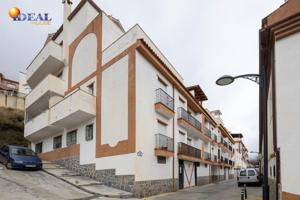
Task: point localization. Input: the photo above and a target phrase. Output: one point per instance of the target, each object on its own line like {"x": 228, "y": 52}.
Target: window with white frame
{"x": 91, "y": 88}
{"x": 89, "y": 131}
{"x": 162, "y": 127}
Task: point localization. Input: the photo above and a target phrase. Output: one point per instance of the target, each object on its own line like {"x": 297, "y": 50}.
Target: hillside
{"x": 12, "y": 127}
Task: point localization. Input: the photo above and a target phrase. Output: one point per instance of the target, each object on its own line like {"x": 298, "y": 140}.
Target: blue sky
{"x": 202, "y": 39}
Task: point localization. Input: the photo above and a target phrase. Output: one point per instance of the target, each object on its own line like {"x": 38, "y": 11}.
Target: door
{"x": 196, "y": 165}
{"x": 252, "y": 176}
{"x": 181, "y": 174}
{"x": 243, "y": 178}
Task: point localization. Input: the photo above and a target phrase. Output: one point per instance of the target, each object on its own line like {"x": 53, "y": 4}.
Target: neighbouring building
{"x": 241, "y": 151}
{"x": 280, "y": 63}
{"x": 107, "y": 103}
{"x": 10, "y": 97}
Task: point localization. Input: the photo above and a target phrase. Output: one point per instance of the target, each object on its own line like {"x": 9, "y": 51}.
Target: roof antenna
{"x": 68, "y": 1}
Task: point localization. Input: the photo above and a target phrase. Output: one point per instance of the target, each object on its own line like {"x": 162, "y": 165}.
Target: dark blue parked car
{"x": 15, "y": 157}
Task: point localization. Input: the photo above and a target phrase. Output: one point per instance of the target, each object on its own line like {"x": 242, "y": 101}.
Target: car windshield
{"x": 22, "y": 151}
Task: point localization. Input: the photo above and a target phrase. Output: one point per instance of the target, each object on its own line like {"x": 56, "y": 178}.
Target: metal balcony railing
{"x": 164, "y": 142}
{"x": 222, "y": 159}
{"x": 164, "y": 98}
{"x": 182, "y": 113}
{"x": 226, "y": 160}
{"x": 188, "y": 150}
{"x": 225, "y": 143}
{"x": 215, "y": 158}
{"x": 207, "y": 132}
{"x": 207, "y": 156}
{"x": 215, "y": 137}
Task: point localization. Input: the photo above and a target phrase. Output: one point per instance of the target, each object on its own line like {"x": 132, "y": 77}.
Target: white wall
{"x": 85, "y": 58}
{"x": 110, "y": 32}
{"x": 114, "y": 103}
{"x": 287, "y": 59}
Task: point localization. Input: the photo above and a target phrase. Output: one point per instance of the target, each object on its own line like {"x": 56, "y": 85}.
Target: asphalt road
{"x": 226, "y": 190}
{"x": 29, "y": 185}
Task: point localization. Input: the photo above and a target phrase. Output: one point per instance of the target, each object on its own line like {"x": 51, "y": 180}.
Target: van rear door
{"x": 243, "y": 178}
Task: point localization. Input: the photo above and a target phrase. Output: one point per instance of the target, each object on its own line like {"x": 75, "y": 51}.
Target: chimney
{"x": 66, "y": 29}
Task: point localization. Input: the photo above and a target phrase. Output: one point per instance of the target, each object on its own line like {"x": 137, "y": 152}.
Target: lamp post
{"x": 260, "y": 80}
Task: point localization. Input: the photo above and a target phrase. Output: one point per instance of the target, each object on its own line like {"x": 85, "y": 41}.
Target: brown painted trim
{"x": 290, "y": 196}
{"x": 189, "y": 158}
{"x": 164, "y": 153}
{"x": 164, "y": 109}
{"x": 129, "y": 145}
{"x": 57, "y": 154}
{"x": 119, "y": 56}
{"x": 93, "y": 27}
{"x": 86, "y": 79}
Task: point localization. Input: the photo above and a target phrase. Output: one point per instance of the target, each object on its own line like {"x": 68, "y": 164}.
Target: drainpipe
{"x": 173, "y": 167}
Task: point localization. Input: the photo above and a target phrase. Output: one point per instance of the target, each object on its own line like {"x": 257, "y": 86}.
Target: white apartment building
{"x": 241, "y": 151}
{"x": 107, "y": 103}
{"x": 280, "y": 61}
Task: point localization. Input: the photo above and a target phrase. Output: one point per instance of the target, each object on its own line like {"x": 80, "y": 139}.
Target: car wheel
{"x": 8, "y": 165}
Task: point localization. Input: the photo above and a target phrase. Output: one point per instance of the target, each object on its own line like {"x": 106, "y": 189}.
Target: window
{"x": 161, "y": 160}
{"x": 89, "y": 129}
{"x": 251, "y": 173}
{"x": 274, "y": 171}
{"x": 72, "y": 138}
{"x": 162, "y": 84}
{"x": 270, "y": 170}
{"x": 57, "y": 142}
{"x": 243, "y": 173}
{"x": 189, "y": 141}
{"x": 161, "y": 127}
{"x": 39, "y": 147}
{"x": 91, "y": 89}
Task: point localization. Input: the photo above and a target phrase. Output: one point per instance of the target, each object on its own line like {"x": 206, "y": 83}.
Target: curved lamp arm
{"x": 256, "y": 78}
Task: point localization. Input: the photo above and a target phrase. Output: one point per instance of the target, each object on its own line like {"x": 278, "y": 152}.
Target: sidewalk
{"x": 84, "y": 183}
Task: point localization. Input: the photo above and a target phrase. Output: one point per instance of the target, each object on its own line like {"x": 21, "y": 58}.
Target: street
{"x": 226, "y": 190}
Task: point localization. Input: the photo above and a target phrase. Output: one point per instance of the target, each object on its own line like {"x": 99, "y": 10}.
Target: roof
{"x": 77, "y": 9}
{"x": 286, "y": 10}
{"x": 199, "y": 94}
{"x": 237, "y": 135}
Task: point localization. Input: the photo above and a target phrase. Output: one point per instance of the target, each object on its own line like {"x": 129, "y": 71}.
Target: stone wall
{"x": 150, "y": 188}
{"x": 203, "y": 180}
{"x": 272, "y": 185}
{"x": 124, "y": 182}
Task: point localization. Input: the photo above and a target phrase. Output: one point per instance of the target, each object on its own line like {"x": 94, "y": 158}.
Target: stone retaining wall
{"x": 124, "y": 182}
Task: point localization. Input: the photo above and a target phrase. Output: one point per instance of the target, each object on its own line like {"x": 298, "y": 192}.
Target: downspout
{"x": 274, "y": 108}
{"x": 173, "y": 164}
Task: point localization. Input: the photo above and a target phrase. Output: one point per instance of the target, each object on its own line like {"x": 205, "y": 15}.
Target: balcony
{"x": 215, "y": 138}
{"x": 187, "y": 152}
{"x": 226, "y": 161}
{"x": 164, "y": 104}
{"x": 215, "y": 158}
{"x": 39, "y": 127}
{"x": 188, "y": 122}
{"x": 38, "y": 98}
{"x": 73, "y": 109}
{"x": 48, "y": 61}
{"x": 207, "y": 132}
{"x": 164, "y": 145}
{"x": 207, "y": 156}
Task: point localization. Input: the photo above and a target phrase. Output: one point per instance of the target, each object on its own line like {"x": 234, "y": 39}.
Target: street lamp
{"x": 260, "y": 80}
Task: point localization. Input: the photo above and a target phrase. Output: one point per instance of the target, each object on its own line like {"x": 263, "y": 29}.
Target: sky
{"x": 203, "y": 39}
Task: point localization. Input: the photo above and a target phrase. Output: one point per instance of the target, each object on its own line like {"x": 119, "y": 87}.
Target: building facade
{"x": 10, "y": 97}
{"x": 108, "y": 104}
{"x": 279, "y": 65}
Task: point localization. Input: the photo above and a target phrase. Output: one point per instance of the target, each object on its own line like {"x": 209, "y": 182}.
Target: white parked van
{"x": 248, "y": 176}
